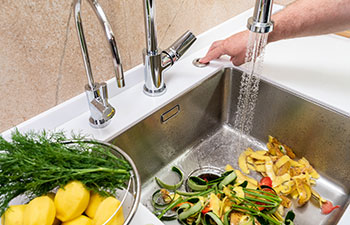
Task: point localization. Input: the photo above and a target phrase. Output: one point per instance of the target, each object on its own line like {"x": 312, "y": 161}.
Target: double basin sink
{"x": 196, "y": 131}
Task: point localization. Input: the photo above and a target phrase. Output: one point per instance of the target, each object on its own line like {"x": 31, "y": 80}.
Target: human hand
{"x": 234, "y": 46}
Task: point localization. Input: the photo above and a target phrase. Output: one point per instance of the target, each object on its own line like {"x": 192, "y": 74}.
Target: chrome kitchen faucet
{"x": 157, "y": 61}
{"x": 101, "y": 110}
{"x": 261, "y": 22}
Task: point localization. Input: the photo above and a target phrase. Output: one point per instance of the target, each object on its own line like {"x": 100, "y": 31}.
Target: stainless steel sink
{"x": 195, "y": 131}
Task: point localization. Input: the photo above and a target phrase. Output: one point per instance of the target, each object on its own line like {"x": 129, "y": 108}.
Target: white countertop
{"x": 317, "y": 68}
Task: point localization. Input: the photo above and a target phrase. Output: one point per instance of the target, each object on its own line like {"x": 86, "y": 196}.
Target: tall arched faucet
{"x": 97, "y": 95}
{"x": 157, "y": 61}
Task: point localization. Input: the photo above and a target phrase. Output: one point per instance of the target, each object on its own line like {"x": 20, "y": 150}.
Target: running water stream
{"x": 249, "y": 88}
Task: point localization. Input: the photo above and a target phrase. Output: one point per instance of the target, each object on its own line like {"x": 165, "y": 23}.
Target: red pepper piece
{"x": 265, "y": 181}
{"x": 206, "y": 210}
{"x": 266, "y": 190}
{"x": 180, "y": 204}
{"x": 327, "y": 207}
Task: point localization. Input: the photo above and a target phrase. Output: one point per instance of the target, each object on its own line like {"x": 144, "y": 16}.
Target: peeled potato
{"x": 95, "y": 201}
{"x": 52, "y": 196}
{"x": 71, "y": 201}
{"x": 13, "y": 215}
{"x": 39, "y": 211}
{"x": 106, "y": 209}
{"x": 80, "y": 220}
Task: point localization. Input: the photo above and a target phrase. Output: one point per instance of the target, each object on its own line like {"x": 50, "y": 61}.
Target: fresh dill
{"x": 34, "y": 164}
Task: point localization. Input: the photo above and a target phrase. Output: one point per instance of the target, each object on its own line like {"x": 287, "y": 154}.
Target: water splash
{"x": 249, "y": 89}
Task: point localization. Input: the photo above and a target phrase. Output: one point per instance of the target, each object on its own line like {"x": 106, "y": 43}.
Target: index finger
{"x": 212, "y": 54}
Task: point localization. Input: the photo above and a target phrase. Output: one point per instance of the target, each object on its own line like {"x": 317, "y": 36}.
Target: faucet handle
{"x": 180, "y": 46}
{"x": 101, "y": 110}
{"x": 103, "y": 93}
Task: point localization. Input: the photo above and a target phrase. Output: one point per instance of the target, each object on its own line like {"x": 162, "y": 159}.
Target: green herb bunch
{"x": 36, "y": 163}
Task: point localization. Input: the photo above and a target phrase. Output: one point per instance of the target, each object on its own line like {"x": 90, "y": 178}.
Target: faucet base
{"x": 154, "y": 93}
{"x": 98, "y": 123}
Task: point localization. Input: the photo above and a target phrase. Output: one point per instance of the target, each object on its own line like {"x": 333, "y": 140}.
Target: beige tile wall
{"x": 40, "y": 60}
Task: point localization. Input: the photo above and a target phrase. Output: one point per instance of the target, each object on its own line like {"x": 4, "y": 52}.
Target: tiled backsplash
{"x": 40, "y": 60}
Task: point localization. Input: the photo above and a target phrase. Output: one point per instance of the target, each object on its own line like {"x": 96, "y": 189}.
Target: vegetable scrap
{"x": 229, "y": 199}
{"x": 290, "y": 178}
{"x": 235, "y": 198}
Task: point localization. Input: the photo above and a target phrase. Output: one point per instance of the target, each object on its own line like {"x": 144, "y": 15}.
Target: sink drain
{"x": 207, "y": 173}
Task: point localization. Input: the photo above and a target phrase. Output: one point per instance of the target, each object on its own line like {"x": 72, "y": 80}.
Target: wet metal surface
{"x": 201, "y": 135}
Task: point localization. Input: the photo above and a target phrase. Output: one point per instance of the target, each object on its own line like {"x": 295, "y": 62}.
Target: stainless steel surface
{"x": 261, "y": 22}
{"x": 196, "y": 63}
{"x": 201, "y": 135}
{"x": 157, "y": 61}
{"x": 101, "y": 110}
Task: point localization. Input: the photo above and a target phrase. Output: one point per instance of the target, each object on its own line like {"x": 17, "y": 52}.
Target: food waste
{"x": 236, "y": 198}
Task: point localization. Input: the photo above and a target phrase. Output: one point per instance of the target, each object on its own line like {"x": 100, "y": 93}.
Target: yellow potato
{"x": 52, "y": 196}
{"x": 80, "y": 220}
{"x": 13, "y": 215}
{"x": 39, "y": 211}
{"x": 95, "y": 201}
{"x": 71, "y": 201}
{"x": 106, "y": 209}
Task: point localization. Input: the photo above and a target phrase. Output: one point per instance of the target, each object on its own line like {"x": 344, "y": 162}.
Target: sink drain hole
{"x": 207, "y": 173}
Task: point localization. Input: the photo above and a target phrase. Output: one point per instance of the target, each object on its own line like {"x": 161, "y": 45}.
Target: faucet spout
{"x": 261, "y": 20}
{"x": 101, "y": 110}
{"x": 151, "y": 32}
{"x": 118, "y": 68}
{"x": 155, "y": 60}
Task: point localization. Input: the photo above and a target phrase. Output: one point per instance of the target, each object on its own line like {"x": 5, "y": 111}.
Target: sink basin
{"x": 196, "y": 130}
